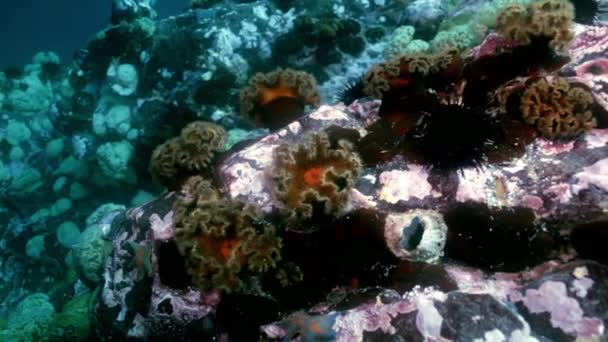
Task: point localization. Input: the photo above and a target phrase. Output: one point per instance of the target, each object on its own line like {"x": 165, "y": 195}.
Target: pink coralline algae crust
{"x": 188, "y": 304}
{"x": 550, "y": 147}
{"x": 581, "y": 286}
{"x": 351, "y": 325}
{"x": 401, "y": 185}
{"x": 472, "y": 185}
{"x": 132, "y": 270}
{"x": 492, "y": 44}
{"x": 367, "y": 111}
{"x": 589, "y": 40}
{"x": 162, "y": 227}
{"x": 589, "y": 63}
{"x": 566, "y": 313}
{"x": 474, "y": 281}
{"x": 517, "y": 305}
{"x": 597, "y": 138}
{"x": 244, "y": 174}
{"x": 558, "y": 193}
{"x": 596, "y": 174}
{"x": 330, "y": 113}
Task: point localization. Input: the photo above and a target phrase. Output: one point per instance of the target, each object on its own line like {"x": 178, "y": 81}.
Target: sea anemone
{"x": 545, "y": 19}
{"x": 223, "y": 241}
{"x": 279, "y": 97}
{"x": 412, "y": 73}
{"x": 314, "y": 177}
{"x": 188, "y": 154}
{"x": 557, "y": 108}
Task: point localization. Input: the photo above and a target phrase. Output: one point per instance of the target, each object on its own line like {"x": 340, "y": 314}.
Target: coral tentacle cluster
{"x": 187, "y": 154}
{"x": 557, "y": 108}
{"x": 315, "y": 176}
{"x": 430, "y": 101}
{"x": 549, "y": 19}
{"x": 277, "y": 98}
{"x": 222, "y": 240}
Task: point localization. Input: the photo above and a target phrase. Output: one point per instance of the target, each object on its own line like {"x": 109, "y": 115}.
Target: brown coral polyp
{"x": 411, "y": 71}
{"x": 545, "y": 19}
{"x": 314, "y": 176}
{"x": 557, "y": 109}
{"x": 222, "y": 241}
{"x": 277, "y": 98}
{"x": 189, "y": 153}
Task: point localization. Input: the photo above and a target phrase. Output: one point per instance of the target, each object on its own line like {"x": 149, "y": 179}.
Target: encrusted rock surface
{"x": 563, "y": 183}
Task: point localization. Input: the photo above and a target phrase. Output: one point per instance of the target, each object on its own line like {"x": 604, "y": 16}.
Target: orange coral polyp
{"x": 272, "y": 93}
{"x": 313, "y": 177}
{"x": 227, "y": 248}
{"x": 279, "y": 97}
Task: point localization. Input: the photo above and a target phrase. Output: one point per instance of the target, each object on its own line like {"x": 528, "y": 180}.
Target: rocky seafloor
{"x": 511, "y": 251}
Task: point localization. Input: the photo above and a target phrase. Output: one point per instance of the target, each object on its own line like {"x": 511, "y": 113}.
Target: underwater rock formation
{"x": 558, "y": 182}
{"x": 482, "y": 308}
{"x": 394, "y": 222}
{"x": 145, "y": 296}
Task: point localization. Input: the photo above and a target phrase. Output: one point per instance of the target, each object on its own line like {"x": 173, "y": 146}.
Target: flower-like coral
{"x": 409, "y": 71}
{"x": 428, "y": 100}
{"x": 550, "y": 19}
{"x": 279, "y": 97}
{"x": 223, "y": 241}
{"x": 557, "y": 108}
{"x": 315, "y": 176}
{"x": 189, "y": 153}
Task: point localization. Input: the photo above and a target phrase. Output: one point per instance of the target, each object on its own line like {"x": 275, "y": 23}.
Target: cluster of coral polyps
{"x": 557, "y": 108}
{"x": 314, "y": 174}
{"x": 448, "y": 112}
{"x": 187, "y": 154}
{"x": 500, "y": 217}
{"x": 221, "y": 239}
{"x": 279, "y": 97}
{"x": 546, "y": 19}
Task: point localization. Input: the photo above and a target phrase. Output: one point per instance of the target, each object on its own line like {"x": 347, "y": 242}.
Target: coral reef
{"x": 277, "y": 98}
{"x": 315, "y": 176}
{"x": 189, "y": 153}
{"x": 546, "y": 19}
{"x": 557, "y": 108}
{"x": 427, "y": 99}
{"x": 221, "y": 239}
